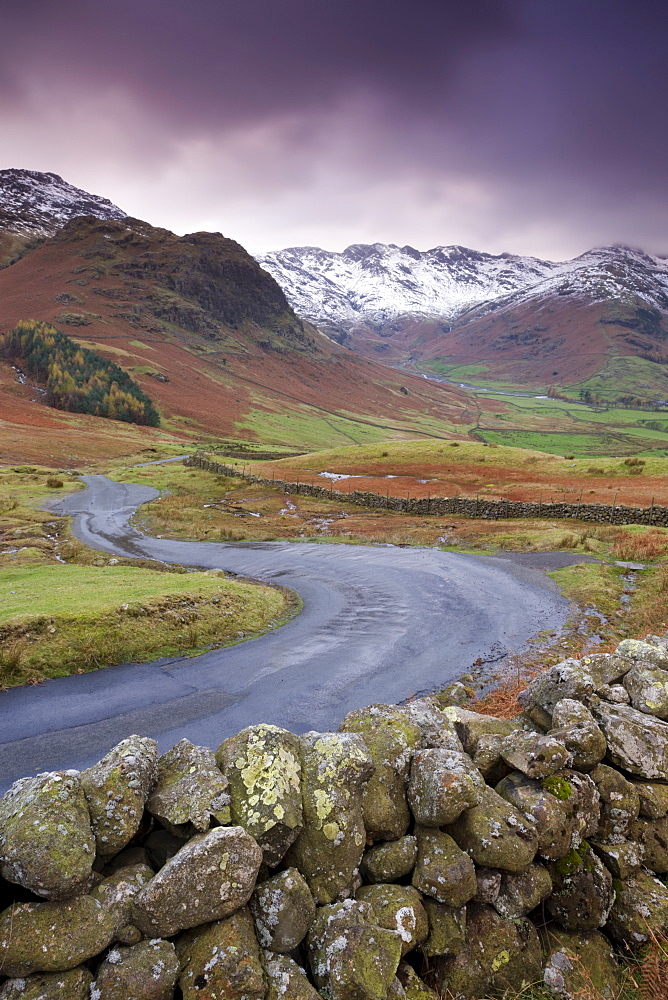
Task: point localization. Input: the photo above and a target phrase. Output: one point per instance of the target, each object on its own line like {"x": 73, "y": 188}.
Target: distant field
{"x": 561, "y": 442}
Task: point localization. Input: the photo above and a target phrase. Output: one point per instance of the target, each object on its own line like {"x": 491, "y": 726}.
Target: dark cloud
{"x": 511, "y": 117}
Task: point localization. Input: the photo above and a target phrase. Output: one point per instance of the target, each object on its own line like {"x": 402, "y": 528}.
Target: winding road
{"x": 378, "y": 624}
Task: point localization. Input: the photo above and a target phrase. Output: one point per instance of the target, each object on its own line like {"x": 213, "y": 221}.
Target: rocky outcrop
{"x": 491, "y": 852}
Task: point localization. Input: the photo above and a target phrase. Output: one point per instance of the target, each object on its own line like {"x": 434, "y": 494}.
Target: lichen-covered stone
{"x": 190, "y": 789}
{"x": 568, "y": 679}
{"x": 161, "y": 846}
{"x": 496, "y": 835}
{"x": 498, "y": 954}
{"x": 213, "y": 875}
{"x": 116, "y": 790}
{"x": 285, "y": 979}
{"x": 637, "y": 743}
{"x": 620, "y": 804}
{"x": 222, "y": 961}
{"x": 335, "y": 769}
{"x": 586, "y": 802}
{"x": 46, "y": 842}
{"x": 262, "y": 765}
{"x": 640, "y": 910}
{"x": 436, "y": 729}
{"x": 579, "y": 964}
{"x": 442, "y": 785}
{"x": 148, "y": 970}
{"x": 575, "y": 727}
{"x": 72, "y": 985}
{"x": 489, "y": 885}
{"x": 443, "y": 871}
{"x": 389, "y": 861}
{"x": 398, "y": 908}
{"x": 390, "y": 737}
{"x": 414, "y": 988}
{"x": 118, "y": 891}
{"x": 447, "y": 928}
{"x": 350, "y": 956}
{"x": 648, "y": 689}
{"x": 535, "y": 755}
{"x": 582, "y": 892}
{"x": 606, "y": 668}
{"x": 551, "y": 809}
{"x": 53, "y": 936}
{"x": 488, "y": 758}
{"x": 653, "y": 799}
{"x": 283, "y": 909}
{"x": 651, "y": 836}
{"x": 622, "y": 859}
{"x": 645, "y": 652}
{"x": 522, "y": 892}
{"x": 470, "y": 726}
{"x": 616, "y": 693}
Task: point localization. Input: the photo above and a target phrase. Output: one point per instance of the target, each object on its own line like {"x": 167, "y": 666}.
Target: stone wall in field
{"x": 463, "y": 506}
{"x": 419, "y": 849}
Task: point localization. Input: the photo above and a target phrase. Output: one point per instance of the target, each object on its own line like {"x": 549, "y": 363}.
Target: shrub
{"x": 54, "y": 483}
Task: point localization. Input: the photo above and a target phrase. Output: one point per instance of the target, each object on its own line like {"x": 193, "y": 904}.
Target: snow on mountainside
{"x": 38, "y": 204}
{"x": 374, "y": 284}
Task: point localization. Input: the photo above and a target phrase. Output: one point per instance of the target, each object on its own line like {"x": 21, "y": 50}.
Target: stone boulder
{"x": 148, "y": 970}
{"x": 447, "y": 929}
{"x": 116, "y": 790}
{"x": 46, "y": 842}
{"x": 621, "y": 859}
{"x": 648, "y": 689}
{"x": 390, "y": 861}
{"x": 335, "y": 770}
{"x": 498, "y": 954}
{"x": 575, "y": 727}
{"x": 606, "y": 668}
{"x": 620, "y": 804}
{"x": 190, "y": 790}
{"x": 398, "y": 908}
{"x": 72, "y": 985}
{"x": 286, "y": 980}
{"x": 651, "y": 837}
{"x": 262, "y": 765}
{"x": 350, "y": 956}
{"x": 283, "y": 909}
{"x": 640, "y": 910}
{"x": 579, "y": 964}
{"x": 436, "y": 729}
{"x": 582, "y": 892}
{"x": 495, "y": 834}
{"x": 551, "y": 810}
{"x": 443, "y": 871}
{"x": 211, "y": 876}
{"x": 653, "y": 799}
{"x": 637, "y": 743}
{"x": 535, "y": 755}
{"x": 470, "y": 726}
{"x": 522, "y": 892}
{"x": 222, "y": 960}
{"x": 645, "y": 652}
{"x": 568, "y": 679}
{"x": 414, "y": 988}
{"x": 390, "y": 737}
{"x": 443, "y": 784}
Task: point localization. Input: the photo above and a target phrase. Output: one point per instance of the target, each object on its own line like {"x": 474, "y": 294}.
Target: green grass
{"x": 632, "y": 442}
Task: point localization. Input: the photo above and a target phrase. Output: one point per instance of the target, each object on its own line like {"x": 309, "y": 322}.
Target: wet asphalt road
{"x": 378, "y": 624}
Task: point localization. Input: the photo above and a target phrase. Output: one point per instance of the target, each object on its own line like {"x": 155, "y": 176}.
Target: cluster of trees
{"x": 76, "y": 379}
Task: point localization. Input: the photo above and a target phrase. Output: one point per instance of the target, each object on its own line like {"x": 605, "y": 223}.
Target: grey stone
{"x": 443, "y": 784}
{"x": 648, "y": 689}
{"x": 535, "y": 755}
{"x": 398, "y": 908}
{"x": 495, "y": 834}
{"x": 72, "y": 985}
{"x": 390, "y": 861}
{"x": 222, "y": 961}
{"x": 582, "y": 893}
{"x": 148, "y": 970}
{"x": 620, "y": 804}
{"x": 640, "y": 910}
{"x": 522, "y": 892}
{"x": 579, "y": 964}
{"x": 638, "y": 743}
{"x": 190, "y": 789}
{"x": 447, "y": 929}
{"x": 283, "y": 909}
{"x": 575, "y": 727}
{"x": 443, "y": 871}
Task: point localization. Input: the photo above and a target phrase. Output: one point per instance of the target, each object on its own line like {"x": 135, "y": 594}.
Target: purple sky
{"x": 534, "y": 126}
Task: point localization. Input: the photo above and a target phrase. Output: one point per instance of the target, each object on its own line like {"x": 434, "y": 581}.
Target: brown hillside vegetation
{"x": 210, "y": 337}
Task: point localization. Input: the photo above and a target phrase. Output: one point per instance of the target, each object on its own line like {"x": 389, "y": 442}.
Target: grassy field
{"x": 87, "y": 610}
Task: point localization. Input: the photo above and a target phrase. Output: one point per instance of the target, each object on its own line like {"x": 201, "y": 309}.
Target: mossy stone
{"x": 283, "y": 909}
{"x": 533, "y": 754}
{"x": 148, "y": 970}
{"x": 620, "y": 803}
{"x": 579, "y": 964}
{"x": 652, "y": 837}
{"x": 350, "y": 956}
{"x": 498, "y": 955}
{"x": 211, "y": 876}
{"x": 75, "y": 984}
{"x": 335, "y": 770}
{"x": 645, "y": 652}
{"x": 522, "y": 892}
{"x": 470, "y": 726}
{"x": 495, "y": 834}
{"x": 443, "y": 871}
{"x": 640, "y": 910}
{"x": 648, "y": 689}
{"x": 46, "y": 842}
{"x": 116, "y": 790}
{"x": 389, "y": 861}
{"x": 443, "y": 784}
{"x": 568, "y": 679}
{"x": 414, "y": 987}
{"x": 653, "y": 799}
{"x": 54, "y": 936}
{"x": 390, "y": 737}
{"x": 398, "y": 908}
{"x": 262, "y": 765}
{"x": 582, "y": 892}
{"x": 222, "y": 961}
{"x": 575, "y": 727}
{"x": 190, "y": 789}
{"x": 637, "y": 743}
{"x": 436, "y": 729}
{"x": 118, "y": 891}
{"x": 622, "y": 859}
{"x": 447, "y": 928}
{"x": 285, "y": 979}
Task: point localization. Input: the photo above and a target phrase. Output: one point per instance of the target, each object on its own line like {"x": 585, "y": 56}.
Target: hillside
{"x": 212, "y": 340}
{"x": 502, "y": 319}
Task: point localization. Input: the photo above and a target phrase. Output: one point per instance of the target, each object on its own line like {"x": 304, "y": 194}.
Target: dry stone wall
{"x": 419, "y": 849}
{"x": 477, "y": 507}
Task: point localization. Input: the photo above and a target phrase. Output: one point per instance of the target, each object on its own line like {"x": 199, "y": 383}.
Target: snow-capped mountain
{"x": 377, "y": 282}
{"x": 38, "y": 204}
